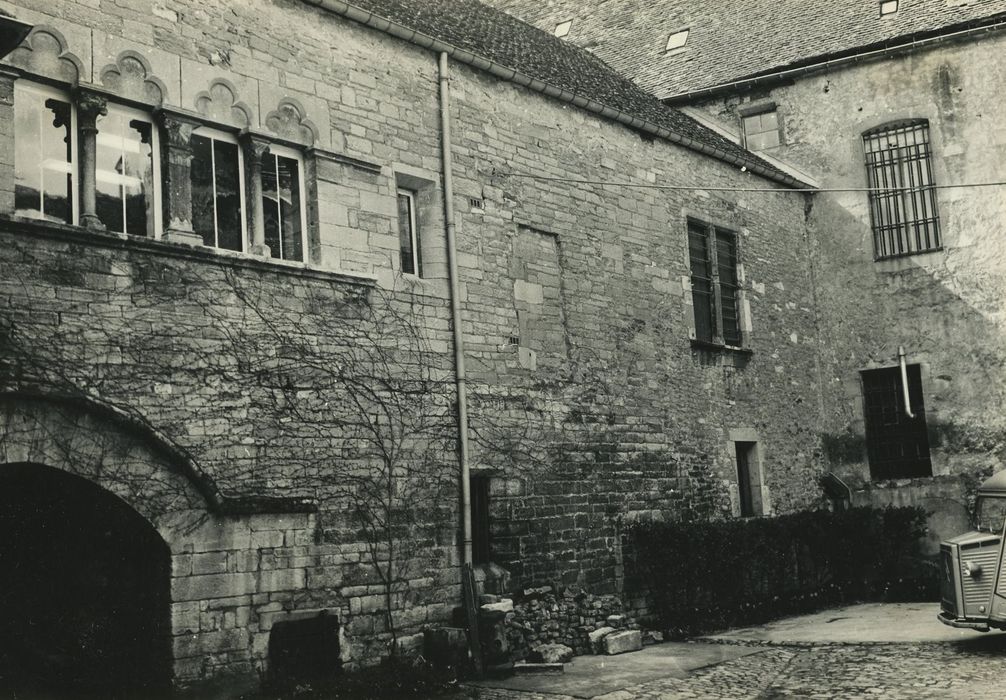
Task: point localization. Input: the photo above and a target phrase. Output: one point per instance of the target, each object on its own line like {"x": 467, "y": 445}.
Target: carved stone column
{"x": 254, "y": 148}
{"x": 177, "y": 175}
{"x": 90, "y": 105}
{"x": 7, "y": 78}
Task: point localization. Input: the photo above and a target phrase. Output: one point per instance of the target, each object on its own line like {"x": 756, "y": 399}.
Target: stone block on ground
{"x": 621, "y": 642}
{"x": 597, "y": 638}
{"x": 552, "y": 654}
{"x": 652, "y": 637}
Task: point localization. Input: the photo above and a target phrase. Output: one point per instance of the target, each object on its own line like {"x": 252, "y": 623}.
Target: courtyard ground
{"x": 895, "y": 651}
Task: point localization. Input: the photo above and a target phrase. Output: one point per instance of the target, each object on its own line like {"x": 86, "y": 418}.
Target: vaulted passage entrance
{"x": 84, "y": 591}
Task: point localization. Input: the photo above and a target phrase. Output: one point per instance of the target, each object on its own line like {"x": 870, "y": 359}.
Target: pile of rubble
{"x": 544, "y": 626}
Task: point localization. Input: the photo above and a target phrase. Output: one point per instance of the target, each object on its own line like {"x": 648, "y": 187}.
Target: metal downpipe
{"x": 459, "y": 347}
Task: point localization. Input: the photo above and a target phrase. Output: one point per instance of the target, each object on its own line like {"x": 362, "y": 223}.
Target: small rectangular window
{"x": 480, "y": 519}
{"x": 408, "y": 234}
{"x": 761, "y": 130}
{"x": 897, "y": 445}
{"x": 888, "y": 7}
{"x": 902, "y": 189}
{"x": 44, "y": 154}
{"x": 127, "y": 172}
{"x": 712, "y": 255}
{"x": 217, "y": 189}
{"x": 283, "y": 203}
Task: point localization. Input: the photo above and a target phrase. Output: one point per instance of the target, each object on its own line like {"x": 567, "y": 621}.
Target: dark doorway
{"x": 84, "y": 591}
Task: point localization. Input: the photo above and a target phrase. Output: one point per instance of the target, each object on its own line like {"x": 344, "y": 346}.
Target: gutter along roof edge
{"x": 508, "y": 74}
{"x": 838, "y": 59}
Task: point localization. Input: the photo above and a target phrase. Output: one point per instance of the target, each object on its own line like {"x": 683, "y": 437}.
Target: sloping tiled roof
{"x": 507, "y": 41}
{"x": 733, "y": 39}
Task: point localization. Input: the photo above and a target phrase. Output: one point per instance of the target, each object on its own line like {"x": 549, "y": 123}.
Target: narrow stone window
{"x": 712, "y": 253}
{"x": 748, "y": 479}
{"x": 897, "y": 445}
{"x": 127, "y": 172}
{"x": 408, "y": 234}
{"x": 480, "y": 519}
{"x": 903, "y": 191}
{"x": 284, "y": 213}
{"x": 761, "y": 130}
{"x": 44, "y": 154}
{"x": 217, "y": 189}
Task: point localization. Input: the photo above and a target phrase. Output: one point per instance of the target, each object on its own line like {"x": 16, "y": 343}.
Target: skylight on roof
{"x": 888, "y": 7}
{"x": 677, "y": 40}
{"x": 562, "y": 29}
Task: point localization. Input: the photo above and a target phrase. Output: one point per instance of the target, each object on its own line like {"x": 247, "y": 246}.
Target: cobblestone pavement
{"x": 971, "y": 670}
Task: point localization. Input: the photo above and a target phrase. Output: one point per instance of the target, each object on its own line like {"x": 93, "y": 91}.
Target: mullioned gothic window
{"x": 45, "y": 163}
{"x": 217, "y": 177}
{"x": 283, "y": 203}
{"x": 127, "y": 172}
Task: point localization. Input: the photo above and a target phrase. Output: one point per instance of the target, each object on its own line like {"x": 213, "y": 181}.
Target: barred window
{"x": 897, "y": 445}
{"x": 712, "y": 255}
{"x": 903, "y": 195}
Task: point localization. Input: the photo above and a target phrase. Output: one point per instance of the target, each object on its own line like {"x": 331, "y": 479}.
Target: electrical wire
{"x": 652, "y": 186}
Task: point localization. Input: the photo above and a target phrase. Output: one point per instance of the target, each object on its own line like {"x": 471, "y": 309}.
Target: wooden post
{"x": 472, "y": 613}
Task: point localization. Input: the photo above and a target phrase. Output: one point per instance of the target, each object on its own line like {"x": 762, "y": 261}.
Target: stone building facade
{"x": 227, "y": 325}
{"x": 832, "y": 100}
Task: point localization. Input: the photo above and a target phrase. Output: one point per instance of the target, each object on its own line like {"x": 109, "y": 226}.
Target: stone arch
{"x": 289, "y": 121}
{"x": 115, "y": 451}
{"x": 44, "y": 53}
{"x": 220, "y": 103}
{"x": 130, "y": 76}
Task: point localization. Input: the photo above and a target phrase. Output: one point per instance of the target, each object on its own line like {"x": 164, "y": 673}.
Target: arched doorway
{"x": 84, "y": 590}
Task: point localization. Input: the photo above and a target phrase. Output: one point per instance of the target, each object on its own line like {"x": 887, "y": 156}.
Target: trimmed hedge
{"x": 703, "y": 576}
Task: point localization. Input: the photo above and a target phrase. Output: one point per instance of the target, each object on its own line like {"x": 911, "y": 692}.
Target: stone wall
{"x": 944, "y": 307}
{"x": 590, "y": 404}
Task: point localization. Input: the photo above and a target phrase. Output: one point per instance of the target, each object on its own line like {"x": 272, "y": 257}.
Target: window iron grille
{"x": 897, "y": 446}
{"x": 712, "y": 257}
{"x": 903, "y": 209}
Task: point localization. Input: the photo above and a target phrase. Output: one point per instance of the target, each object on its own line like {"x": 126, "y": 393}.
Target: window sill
{"x": 720, "y": 347}
{"x": 899, "y": 263}
{"x": 105, "y": 239}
